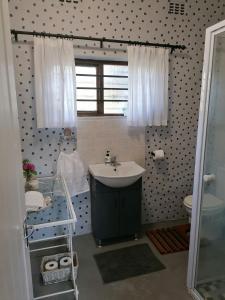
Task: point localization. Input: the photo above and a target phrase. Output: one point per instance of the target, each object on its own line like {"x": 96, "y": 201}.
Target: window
{"x": 102, "y": 87}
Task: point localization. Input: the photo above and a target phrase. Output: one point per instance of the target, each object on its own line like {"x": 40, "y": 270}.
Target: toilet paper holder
{"x": 158, "y": 154}
{"x": 153, "y": 153}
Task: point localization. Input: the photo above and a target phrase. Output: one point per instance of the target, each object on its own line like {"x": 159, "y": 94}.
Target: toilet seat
{"x": 210, "y": 202}
{"x": 188, "y": 201}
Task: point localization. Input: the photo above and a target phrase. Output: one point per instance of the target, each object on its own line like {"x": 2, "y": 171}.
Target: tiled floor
{"x": 214, "y": 290}
{"x": 210, "y": 273}
{"x": 168, "y": 284}
{"x": 211, "y": 260}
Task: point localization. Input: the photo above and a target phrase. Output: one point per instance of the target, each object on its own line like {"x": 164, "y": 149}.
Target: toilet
{"x": 211, "y": 204}
{"x": 212, "y": 211}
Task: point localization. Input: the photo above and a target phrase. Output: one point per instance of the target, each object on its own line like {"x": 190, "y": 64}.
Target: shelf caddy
{"x": 56, "y": 188}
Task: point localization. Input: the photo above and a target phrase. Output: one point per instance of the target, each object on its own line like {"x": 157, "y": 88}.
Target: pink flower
{"x": 28, "y": 167}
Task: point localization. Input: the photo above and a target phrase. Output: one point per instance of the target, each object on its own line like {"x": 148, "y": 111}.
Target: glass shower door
{"x": 208, "y": 243}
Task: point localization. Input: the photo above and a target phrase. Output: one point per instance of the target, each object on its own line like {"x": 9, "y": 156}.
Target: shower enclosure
{"x": 206, "y": 270}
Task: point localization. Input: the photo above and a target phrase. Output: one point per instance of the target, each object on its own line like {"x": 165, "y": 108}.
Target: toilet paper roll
{"x": 51, "y": 265}
{"x": 65, "y": 261}
{"x": 158, "y": 154}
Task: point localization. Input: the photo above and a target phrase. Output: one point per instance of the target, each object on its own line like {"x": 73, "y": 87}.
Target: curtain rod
{"x": 87, "y": 48}
{"x": 100, "y": 40}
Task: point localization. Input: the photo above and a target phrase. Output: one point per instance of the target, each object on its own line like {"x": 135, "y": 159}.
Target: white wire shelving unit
{"x": 55, "y": 187}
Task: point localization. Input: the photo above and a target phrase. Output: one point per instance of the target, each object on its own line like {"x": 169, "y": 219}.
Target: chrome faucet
{"x": 107, "y": 157}
{"x": 114, "y": 161}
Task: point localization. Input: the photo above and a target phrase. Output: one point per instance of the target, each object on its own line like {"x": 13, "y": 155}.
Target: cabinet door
{"x": 130, "y": 212}
{"x": 105, "y": 215}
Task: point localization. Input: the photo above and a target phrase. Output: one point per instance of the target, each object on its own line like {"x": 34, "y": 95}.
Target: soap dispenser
{"x": 107, "y": 157}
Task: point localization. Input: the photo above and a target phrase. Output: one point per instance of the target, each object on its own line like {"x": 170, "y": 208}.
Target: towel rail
{"x": 67, "y": 139}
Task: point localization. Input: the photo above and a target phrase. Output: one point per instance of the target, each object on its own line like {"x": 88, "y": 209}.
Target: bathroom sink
{"x": 124, "y": 174}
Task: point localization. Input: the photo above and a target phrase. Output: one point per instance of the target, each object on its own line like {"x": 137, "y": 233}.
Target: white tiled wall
{"x": 166, "y": 183}
{"x": 96, "y": 135}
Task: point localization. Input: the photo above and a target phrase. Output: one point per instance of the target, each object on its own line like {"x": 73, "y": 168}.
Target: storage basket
{"x": 60, "y": 274}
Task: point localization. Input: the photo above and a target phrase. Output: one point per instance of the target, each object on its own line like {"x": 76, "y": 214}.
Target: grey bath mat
{"x": 127, "y": 262}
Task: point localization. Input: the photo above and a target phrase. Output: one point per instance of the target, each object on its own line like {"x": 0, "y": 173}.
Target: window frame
{"x": 99, "y": 85}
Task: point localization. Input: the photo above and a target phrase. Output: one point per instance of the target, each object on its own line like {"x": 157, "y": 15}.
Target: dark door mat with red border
{"x": 170, "y": 240}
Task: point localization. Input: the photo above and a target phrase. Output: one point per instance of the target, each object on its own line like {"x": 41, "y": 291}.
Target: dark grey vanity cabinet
{"x": 115, "y": 212}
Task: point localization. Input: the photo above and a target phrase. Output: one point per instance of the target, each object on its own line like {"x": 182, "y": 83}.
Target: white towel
{"x": 34, "y": 199}
{"x": 71, "y": 168}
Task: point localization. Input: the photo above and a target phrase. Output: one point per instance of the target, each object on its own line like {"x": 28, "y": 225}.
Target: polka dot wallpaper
{"x": 166, "y": 182}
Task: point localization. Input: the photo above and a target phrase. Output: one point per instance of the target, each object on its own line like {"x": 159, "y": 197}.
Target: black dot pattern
{"x": 166, "y": 182}
{"x": 58, "y": 212}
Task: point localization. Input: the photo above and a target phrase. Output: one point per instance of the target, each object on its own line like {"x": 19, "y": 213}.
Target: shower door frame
{"x": 211, "y": 32}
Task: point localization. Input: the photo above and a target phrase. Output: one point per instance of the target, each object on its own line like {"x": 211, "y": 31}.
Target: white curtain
{"x": 148, "y": 69}
{"x": 55, "y": 83}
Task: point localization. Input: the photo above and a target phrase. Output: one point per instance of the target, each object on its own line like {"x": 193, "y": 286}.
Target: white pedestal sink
{"x": 124, "y": 174}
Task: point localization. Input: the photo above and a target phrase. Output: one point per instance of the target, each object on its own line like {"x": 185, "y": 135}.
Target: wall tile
{"x": 167, "y": 182}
